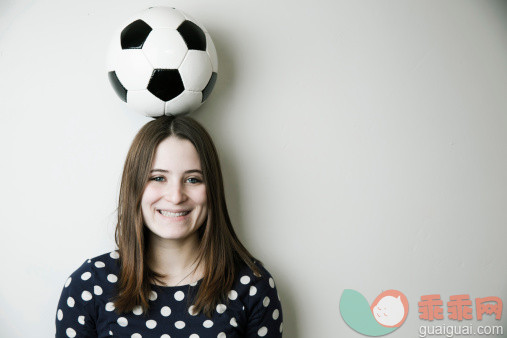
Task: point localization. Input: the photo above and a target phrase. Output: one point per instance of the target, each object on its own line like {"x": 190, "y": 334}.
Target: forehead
{"x": 175, "y": 154}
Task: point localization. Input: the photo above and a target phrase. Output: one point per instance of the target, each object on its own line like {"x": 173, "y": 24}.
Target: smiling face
{"x": 174, "y": 202}
{"x": 389, "y": 311}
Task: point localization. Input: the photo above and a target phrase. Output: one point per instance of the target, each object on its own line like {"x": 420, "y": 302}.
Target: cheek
{"x": 199, "y": 197}
{"x": 201, "y": 200}
{"x": 149, "y": 197}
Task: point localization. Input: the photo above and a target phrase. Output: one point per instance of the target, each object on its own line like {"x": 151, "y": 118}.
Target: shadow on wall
{"x": 211, "y": 115}
{"x": 290, "y": 320}
{"x": 499, "y": 9}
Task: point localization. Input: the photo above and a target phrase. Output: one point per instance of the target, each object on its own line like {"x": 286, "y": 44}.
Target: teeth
{"x": 173, "y": 214}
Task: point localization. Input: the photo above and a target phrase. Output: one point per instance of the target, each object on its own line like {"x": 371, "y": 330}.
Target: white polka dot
{"x": 110, "y": 332}
{"x": 81, "y": 320}
{"x": 193, "y": 284}
{"x": 114, "y": 255}
{"x": 281, "y": 327}
{"x": 153, "y": 296}
{"x": 165, "y": 311}
{"x": 179, "y": 295}
{"x": 59, "y": 314}
{"x": 67, "y": 283}
{"x": 110, "y": 307}
{"x": 271, "y": 282}
{"x": 207, "y": 324}
{"x": 86, "y": 295}
{"x": 262, "y": 331}
{"x": 137, "y": 310}
{"x": 97, "y": 290}
{"x": 136, "y": 335}
{"x": 221, "y": 308}
{"x": 112, "y": 278}
{"x": 179, "y": 324}
{"x": 276, "y": 314}
{"x": 89, "y": 261}
{"x": 122, "y": 321}
{"x": 221, "y": 335}
{"x": 99, "y": 264}
{"x": 191, "y": 311}
{"x": 70, "y": 332}
{"x": 70, "y": 302}
{"x": 165, "y": 336}
{"x": 151, "y": 324}
{"x": 253, "y": 290}
{"x": 194, "y": 336}
{"x": 245, "y": 280}
{"x": 233, "y": 295}
{"x": 86, "y": 275}
{"x": 265, "y": 302}
{"x": 234, "y": 322}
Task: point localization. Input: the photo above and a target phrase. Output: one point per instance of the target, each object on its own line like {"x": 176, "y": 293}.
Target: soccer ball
{"x": 162, "y": 62}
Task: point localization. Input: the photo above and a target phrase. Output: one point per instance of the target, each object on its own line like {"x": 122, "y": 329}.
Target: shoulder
{"x": 256, "y": 287}
{"x": 100, "y": 265}
{"x": 258, "y": 292}
{"x": 95, "y": 274}
{"x": 255, "y": 279}
{"x": 88, "y": 288}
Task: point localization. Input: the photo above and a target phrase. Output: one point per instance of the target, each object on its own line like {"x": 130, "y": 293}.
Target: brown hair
{"x": 220, "y": 250}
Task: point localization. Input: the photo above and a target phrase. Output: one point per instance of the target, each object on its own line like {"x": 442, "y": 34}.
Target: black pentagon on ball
{"x": 166, "y": 84}
{"x": 193, "y": 35}
{"x": 134, "y": 35}
{"x": 209, "y": 87}
{"x": 117, "y": 86}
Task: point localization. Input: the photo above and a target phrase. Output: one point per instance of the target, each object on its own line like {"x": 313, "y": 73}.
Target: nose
{"x": 175, "y": 193}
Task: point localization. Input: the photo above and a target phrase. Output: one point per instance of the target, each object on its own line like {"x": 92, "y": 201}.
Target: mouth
{"x": 167, "y": 213}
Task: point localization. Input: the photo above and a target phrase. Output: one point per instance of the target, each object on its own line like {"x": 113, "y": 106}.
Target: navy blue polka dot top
{"x": 85, "y": 308}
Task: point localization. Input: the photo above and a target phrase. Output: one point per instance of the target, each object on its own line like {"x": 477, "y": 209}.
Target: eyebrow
{"x": 190, "y": 171}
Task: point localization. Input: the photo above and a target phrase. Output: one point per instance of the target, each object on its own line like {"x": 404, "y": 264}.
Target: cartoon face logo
{"x": 390, "y": 308}
{"x": 386, "y": 314}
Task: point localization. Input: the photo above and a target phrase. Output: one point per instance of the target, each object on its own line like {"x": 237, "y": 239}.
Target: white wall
{"x": 363, "y": 144}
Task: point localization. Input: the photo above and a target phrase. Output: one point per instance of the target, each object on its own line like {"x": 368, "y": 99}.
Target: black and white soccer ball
{"x": 162, "y": 62}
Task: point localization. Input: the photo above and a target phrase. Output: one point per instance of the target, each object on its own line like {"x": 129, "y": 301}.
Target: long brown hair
{"x": 220, "y": 250}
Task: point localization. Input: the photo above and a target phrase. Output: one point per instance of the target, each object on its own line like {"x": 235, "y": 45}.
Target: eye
{"x": 194, "y": 180}
{"x": 157, "y": 178}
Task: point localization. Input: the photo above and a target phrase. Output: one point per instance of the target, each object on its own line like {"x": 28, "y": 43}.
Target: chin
{"x": 172, "y": 234}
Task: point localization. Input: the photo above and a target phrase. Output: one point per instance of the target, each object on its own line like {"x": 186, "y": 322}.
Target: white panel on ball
{"x": 133, "y": 78}
{"x": 210, "y": 48}
{"x": 145, "y": 102}
{"x": 165, "y": 48}
{"x": 183, "y": 103}
{"x": 195, "y": 70}
{"x": 162, "y": 17}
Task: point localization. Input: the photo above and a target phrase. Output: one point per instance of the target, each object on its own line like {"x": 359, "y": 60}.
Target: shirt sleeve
{"x": 75, "y": 316}
{"x": 265, "y": 315}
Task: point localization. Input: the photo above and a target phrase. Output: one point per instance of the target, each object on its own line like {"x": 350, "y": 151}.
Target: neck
{"x": 175, "y": 260}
